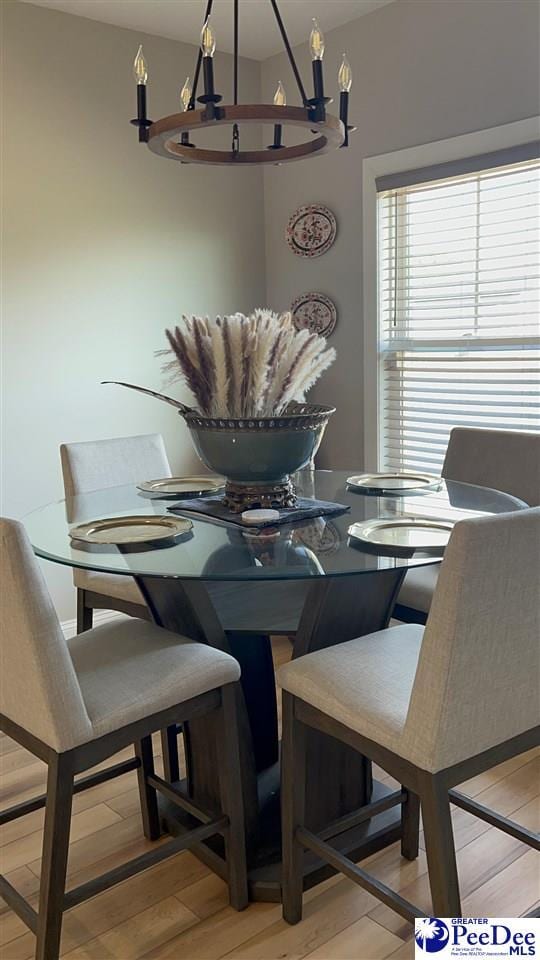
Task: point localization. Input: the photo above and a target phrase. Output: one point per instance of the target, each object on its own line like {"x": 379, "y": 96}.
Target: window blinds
{"x": 459, "y": 277}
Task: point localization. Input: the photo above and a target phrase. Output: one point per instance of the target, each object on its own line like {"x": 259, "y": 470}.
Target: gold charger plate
{"x": 392, "y": 482}
{"x": 404, "y": 534}
{"x": 182, "y": 486}
{"x": 135, "y": 529}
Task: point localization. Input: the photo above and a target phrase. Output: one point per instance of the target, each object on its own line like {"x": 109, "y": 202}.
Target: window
{"x": 458, "y": 292}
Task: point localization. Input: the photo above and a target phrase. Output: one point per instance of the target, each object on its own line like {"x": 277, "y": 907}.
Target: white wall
{"x": 423, "y": 70}
{"x": 104, "y": 245}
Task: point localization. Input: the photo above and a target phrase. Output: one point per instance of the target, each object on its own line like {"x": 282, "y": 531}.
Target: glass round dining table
{"x": 310, "y": 580}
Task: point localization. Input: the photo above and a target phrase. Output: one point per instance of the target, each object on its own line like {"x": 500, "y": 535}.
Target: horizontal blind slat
{"x": 459, "y": 344}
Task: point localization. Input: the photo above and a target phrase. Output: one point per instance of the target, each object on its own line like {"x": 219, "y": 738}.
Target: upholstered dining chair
{"x": 432, "y": 706}
{"x": 74, "y": 704}
{"x": 96, "y": 465}
{"x": 505, "y": 460}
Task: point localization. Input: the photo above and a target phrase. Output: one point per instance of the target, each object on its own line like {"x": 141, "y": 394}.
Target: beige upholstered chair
{"x": 432, "y": 706}
{"x": 75, "y": 704}
{"x": 505, "y": 460}
{"x": 95, "y": 465}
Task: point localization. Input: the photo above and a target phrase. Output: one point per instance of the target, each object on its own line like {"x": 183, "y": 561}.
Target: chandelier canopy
{"x": 170, "y": 136}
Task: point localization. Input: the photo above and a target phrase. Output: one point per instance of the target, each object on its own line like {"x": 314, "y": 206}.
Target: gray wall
{"x": 423, "y": 70}
{"x": 104, "y": 245}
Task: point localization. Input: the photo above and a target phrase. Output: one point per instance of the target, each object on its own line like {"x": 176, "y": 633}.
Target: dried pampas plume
{"x": 240, "y": 366}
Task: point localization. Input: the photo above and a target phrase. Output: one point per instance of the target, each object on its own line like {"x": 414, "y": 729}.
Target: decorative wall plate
{"x": 311, "y": 230}
{"x": 314, "y": 312}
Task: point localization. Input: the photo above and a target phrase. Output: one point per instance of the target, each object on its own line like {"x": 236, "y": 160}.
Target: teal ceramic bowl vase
{"x": 257, "y": 455}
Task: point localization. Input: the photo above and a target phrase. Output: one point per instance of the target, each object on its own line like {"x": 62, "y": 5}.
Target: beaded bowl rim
{"x": 296, "y": 415}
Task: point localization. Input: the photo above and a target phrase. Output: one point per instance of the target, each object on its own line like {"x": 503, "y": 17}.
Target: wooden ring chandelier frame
{"x": 163, "y": 135}
{"x": 170, "y": 136}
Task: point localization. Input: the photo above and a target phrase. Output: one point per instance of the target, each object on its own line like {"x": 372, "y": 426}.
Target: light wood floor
{"x": 179, "y": 909}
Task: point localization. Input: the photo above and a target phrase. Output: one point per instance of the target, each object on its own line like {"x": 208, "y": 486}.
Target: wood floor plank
{"x": 211, "y": 938}
{"x": 476, "y": 785}
{"x": 324, "y": 916}
{"x": 20, "y": 852}
{"x": 141, "y": 933}
{"x": 15, "y": 760}
{"x": 24, "y": 881}
{"x": 510, "y": 893}
{"x": 7, "y": 745}
{"x": 506, "y": 796}
{"x": 377, "y": 943}
{"x": 102, "y": 793}
{"x": 404, "y": 952}
{"x": 206, "y": 897}
{"x": 110, "y": 846}
{"x": 478, "y": 862}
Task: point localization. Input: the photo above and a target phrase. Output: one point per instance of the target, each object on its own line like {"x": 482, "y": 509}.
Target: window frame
{"x": 442, "y": 151}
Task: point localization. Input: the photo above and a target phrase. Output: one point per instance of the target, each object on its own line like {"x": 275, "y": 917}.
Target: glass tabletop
{"x": 217, "y": 551}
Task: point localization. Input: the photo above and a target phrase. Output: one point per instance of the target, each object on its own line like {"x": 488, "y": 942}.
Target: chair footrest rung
{"x": 495, "y": 819}
{"x": 340, "y": 863}
{"x": 177, "y": 797}
{"x": 150, "y": 859}
{"x": 83, "y": 783}
{"x": 18, "y": 904}
{"x": 364, "y": 813}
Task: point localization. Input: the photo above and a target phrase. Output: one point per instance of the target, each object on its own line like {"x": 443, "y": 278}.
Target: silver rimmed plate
{"x": 126, "y": 530}
{"x": 404, "y": 534}
{"x": 393, "y": 482}
{"x": 182, "y": 486}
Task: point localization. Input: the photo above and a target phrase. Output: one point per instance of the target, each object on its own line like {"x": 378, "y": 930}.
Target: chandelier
{"x": 170, "y": 136}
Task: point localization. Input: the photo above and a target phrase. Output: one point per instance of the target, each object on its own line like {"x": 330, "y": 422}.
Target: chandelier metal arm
{"x": 290, "y": 54}
{"x": 198, "y": 65}
{"x": 235, "y": 131}
{"x": 235, "y": 79}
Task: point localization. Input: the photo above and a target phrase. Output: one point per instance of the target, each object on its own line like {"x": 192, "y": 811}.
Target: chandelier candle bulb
{"x": 185, "y": 95}
{"x": 280, "y": 100}
{"x": 316, "y": 43}
{"x": 345, "y": 84}
{"x": 140, "y": 73}
{"x": 208, "y": 48}
{"x": 185, "y": 99}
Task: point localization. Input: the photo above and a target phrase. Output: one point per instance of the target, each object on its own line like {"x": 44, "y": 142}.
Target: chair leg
{"x": 293, "y": 801}
{"x": 410, "y": 826}
{"x": 85, "y": 615}
{"x": 55, "y": 855}
{"x": 169, "y": 752}
{"x": 147, "y": 794}
{"x": 440, "y": 848}
{"x": 232, "y": 800}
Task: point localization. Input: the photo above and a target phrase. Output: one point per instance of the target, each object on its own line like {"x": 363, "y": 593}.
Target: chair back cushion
{"x": 477, "y": 681}
{"x": 39, "y": 689}
{"x": 97, "y": 464}
{"x": 506, "y": 460}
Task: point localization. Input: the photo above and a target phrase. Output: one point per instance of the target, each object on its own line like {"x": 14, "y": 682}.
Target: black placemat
{"x": 213, "y": 508}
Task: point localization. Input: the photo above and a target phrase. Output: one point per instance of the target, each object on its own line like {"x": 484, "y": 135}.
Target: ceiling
{"x": 182, "y": 19}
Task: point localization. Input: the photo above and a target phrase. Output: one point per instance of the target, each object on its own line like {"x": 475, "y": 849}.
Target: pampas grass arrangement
{"x": 240, "y": 366}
